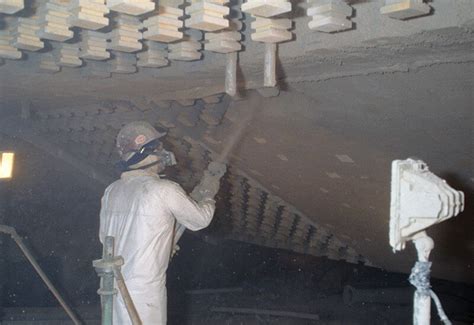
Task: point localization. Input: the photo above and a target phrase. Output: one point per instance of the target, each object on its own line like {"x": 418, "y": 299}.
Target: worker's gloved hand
{"x": 217, "y": 169}
{"x": 210, "y": 182}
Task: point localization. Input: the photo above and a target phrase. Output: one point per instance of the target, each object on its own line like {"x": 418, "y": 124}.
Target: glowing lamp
{"x": 6, "y": 164}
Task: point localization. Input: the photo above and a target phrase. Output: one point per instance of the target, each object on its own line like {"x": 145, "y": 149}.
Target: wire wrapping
{"x": 420, "y": 279}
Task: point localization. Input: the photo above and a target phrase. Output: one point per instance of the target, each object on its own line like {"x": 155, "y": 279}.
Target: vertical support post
{"x": 108, "y": 268}
{"x": 420, "y": 278}
{"x": 107, "y": 290}
{"x": 269, "y": 74}
{"x": 421, "y": 308}
{"x": 231, "y": 74}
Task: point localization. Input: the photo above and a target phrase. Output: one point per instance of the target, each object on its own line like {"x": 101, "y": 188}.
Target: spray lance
{"x": 209, "y": 185}
{"x": 210, "y": 182}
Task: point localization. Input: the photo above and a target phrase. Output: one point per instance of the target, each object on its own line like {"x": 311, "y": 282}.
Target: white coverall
{"x": 140, "y": 211}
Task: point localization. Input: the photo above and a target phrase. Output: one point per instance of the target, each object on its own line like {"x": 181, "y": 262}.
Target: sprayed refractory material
{"x": 164, "y": 26}
{"x": 188, "y": 116}
{"x": 25, "y": 34}
{"x": 126, "y": 37}
{"x": 214, "y": 109}
{"x": 54, "y": 21}
{"x": 255, "y": 215}
{"x": 186, "y": 102}
{"x": 155, "y": 55}
{"x": 207, "y": 15}
{"x": 88, "y": 14}
{"x": 261, "y": 218}
{"x": 214, "y": 99}
{"x": 8, "y": 51}
{"x": 329, "y": 16}
{"x": 94, "y": 45}
{"x": 11, "y": 6}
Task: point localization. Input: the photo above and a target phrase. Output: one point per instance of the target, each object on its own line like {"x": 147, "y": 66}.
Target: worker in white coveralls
{"x": 147, "y": 215}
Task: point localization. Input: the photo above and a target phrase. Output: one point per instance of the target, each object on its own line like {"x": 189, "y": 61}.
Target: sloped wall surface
{"x": 311, "y": 172}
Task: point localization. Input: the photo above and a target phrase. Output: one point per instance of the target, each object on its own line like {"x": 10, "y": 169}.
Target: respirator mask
{"x": 155, "y": 148}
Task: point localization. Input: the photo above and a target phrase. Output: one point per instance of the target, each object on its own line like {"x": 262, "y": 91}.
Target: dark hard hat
{"x": 133, "y": 136}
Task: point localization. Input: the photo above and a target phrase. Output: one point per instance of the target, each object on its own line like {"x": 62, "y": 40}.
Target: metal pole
{"x": 231, "y": 74}
{"x": 108, "y": 268}
{"x": 420, "y": 279}
{"x": 269, "y": 73}
{"x": 12, "y": 232}
{"x": 422, "y": 309}
{"x": 107, "y": 290}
